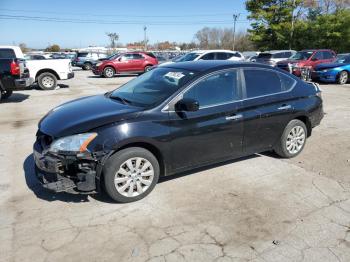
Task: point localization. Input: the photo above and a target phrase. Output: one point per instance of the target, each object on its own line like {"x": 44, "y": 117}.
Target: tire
{"x": 47, "y": 81}
{"x": 117, "y": 167}
{"x": 147, "y": 68}
{"x": 343, "y": 78}
{"x": 293, "y": 140}
{"x": 87, "y": 66}
{"x": 6, "y": 94}
{"x": 108, "y": 72}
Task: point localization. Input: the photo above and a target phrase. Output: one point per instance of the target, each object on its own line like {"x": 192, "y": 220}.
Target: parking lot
{"x": 260, "y": 208}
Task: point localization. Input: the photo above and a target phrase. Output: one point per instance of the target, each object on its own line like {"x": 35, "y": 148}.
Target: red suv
{"x": 131, "y": 62}
{"x": 307, "y": 58}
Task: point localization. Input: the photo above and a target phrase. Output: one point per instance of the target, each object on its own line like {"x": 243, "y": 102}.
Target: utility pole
{"x": 145, "y": 37}
{"x": 292, "y": 27}
{"x": 235, "y": 17}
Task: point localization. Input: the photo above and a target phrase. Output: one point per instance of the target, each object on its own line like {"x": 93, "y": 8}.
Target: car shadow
{"x": 15, "y": 98}
{"x": 44, "y": 194}
{"x": 116, "y": 76}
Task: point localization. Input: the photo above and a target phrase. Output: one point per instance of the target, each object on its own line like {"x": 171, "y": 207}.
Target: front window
{"x": 302, "y": 55}
{"x": 152, "y": 88}
{"x": 188, "y": 57}
{"x": 216, "y": 89}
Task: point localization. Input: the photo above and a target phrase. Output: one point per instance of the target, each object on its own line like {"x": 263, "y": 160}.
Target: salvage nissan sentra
{"x": 171, "y": 119}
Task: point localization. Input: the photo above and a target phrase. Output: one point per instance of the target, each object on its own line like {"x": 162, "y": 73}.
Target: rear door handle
{"x": 285, "y": 107}
{"x": 234, "y": 117}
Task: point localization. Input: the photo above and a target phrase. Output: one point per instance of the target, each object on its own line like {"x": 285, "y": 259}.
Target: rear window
{"x": 264, "y": 55}
{"x": 82, "y": 54}
{"x": 265, "y": 82}
{"x": 7, "y": 53}
{"x": 151, "y": 55}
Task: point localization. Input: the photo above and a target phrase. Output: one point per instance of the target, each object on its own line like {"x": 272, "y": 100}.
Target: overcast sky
{"x": 81, "y": 23}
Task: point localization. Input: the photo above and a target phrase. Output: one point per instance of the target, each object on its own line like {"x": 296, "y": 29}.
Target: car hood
{"x": 84, "y": 114}
{"x": 330, "y": 65}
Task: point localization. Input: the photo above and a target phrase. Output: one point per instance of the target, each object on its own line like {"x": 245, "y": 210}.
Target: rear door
{"x": 267, "y": 107}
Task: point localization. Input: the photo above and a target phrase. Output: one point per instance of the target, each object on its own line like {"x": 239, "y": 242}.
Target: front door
{"x": 214, "y": 132}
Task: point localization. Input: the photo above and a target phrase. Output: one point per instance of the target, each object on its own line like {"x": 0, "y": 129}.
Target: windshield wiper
{"x": 123, "y": 100}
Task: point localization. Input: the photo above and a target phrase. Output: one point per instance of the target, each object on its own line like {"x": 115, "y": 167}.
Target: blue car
{"x": 337, "y": 72}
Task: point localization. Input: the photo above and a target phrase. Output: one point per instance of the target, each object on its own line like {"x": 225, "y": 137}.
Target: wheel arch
{"x": 46, "y": 70}
{"x": 111, "y": 66}
{"x": 306, "y": 120}
{"x": 145, "y": 145}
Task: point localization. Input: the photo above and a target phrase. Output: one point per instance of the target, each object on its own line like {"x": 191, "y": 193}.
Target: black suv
{"x": 171, "y": 119}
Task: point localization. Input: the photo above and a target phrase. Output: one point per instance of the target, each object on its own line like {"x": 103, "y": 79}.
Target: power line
{"x": 114, "y": 15}
{"x": 129, "y": 22}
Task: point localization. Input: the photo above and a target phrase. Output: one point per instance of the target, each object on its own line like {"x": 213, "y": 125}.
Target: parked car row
{"x": 18, "y": 73}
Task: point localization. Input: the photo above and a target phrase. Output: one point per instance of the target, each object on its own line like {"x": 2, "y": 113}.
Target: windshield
{"x": 303, "y": 55}
{"x": 188, "y": 57}
{"x": 152, "y": 87}
{"x": 342, "y": 59}
{"x": 112, "y": 57}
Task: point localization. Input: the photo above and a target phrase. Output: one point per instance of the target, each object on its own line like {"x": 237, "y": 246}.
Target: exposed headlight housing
{"x": 98, "y": 64}
{"x": 75, "y": 143}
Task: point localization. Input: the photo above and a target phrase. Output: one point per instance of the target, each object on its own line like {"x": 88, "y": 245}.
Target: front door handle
{"x": 234, "y": 117}
{"x": 285, "y": 107}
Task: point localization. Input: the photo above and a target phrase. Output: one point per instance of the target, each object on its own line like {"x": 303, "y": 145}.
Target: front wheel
{"x": 130, "y": 174}
{"x": 343, "y": 78}
{"x": 293, "y": 139}
{"x": 108, "y": 72}
{"x": 6, "y": 94}
{"x": 47, "y": 81}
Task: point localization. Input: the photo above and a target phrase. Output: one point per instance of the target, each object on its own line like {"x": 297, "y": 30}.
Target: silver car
{"x": 273, "y": 57}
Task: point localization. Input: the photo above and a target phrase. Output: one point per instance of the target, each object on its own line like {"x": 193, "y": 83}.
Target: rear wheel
{"x": 87, "y": 66}
{"x": 148, "y": 68}
{"x": 293, "y": 139}
{"x": 343, "y": 78}
{"x": 47, "y": 81}
{"x": 130, "y": 174}
{"x": 108, "y": 72}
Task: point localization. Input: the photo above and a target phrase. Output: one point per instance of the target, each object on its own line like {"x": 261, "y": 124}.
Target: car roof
{"x": 314, "y": 50}
{"x": 214, "y": 51}
{"x": 211, "y": 65}
{"x": 276, "y": 51}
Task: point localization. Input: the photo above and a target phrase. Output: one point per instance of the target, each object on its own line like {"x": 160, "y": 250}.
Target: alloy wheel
{"x": 109, "y": 72}
{"x": 343, "y": 78}
{"x": 295, "y": 140}
{"x": 134, "y": 177}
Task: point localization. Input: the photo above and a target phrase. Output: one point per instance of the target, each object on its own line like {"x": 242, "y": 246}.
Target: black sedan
{"x": 171, "y": 119}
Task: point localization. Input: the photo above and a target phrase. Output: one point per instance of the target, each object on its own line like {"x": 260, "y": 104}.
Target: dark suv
{"x": 171, "y": 119}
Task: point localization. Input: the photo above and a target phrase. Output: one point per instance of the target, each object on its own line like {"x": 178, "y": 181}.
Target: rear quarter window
{"x": 7, "y": 53}
{"x": 82, "y": 54}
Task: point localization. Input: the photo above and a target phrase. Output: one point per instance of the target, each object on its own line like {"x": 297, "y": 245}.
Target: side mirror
{"x": 187, "y": 104}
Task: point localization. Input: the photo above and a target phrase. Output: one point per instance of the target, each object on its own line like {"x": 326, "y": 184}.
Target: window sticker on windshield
{"x": 175, "y": 75}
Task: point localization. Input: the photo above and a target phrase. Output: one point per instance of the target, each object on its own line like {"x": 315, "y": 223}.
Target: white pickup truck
{"x": 45, "y": 72}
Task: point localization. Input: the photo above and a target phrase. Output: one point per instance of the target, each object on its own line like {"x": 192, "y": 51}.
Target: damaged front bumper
{"x": 71, "y": 173}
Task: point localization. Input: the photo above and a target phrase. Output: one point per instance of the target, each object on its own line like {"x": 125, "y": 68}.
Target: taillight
{"x": 15, "y": 68}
